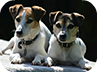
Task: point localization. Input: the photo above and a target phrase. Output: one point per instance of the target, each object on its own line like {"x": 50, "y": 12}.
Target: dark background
{"x": 88, "y": 30}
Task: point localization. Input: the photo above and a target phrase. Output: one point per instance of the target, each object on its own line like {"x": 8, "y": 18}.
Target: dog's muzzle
{"x": 19, "y": 33}
{"x": 65, "y": 45}
{"x": 62, "y": 36}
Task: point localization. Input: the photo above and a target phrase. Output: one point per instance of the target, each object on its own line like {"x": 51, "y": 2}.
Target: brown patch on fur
{"x": 28, "y": 11}
{"x": 56, "y": 29}
{"x": 77, "y": 15}
{"x": 38, "y": 12}
{"x": 15, "y": 10}
{"x": 76, "y": 29}
{"x": 54, "y": 16}
{"x": 39, "y": 8}
{"x": 35, "y": 25}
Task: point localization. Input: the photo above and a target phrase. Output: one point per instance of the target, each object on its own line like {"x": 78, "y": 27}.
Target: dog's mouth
{"x": 62, "y": 37}
{"x": 19, "y": 36}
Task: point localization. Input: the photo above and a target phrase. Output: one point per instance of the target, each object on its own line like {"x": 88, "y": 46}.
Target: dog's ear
{"x": 14, "y": 10}
{"x": 53, "y": 16}
{"x": 38, "y": 12}
{"x": 77, "y": 19}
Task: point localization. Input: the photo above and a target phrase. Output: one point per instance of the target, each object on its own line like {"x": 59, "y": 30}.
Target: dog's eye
{"x": 18, "y": 19}
{"x": 29, "y": 20}
{"x": 58, "y": 25}
{"x": 70, "y": 26}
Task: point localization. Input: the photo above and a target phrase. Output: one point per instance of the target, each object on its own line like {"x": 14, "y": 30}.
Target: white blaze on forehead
{"x": 21, "y": 25}
{"x": 23, "y": 15}
{"x": 23, "y": 12}
{"x": 23, "y": 18}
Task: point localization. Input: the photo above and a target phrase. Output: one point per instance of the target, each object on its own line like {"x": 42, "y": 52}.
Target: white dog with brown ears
{"x": 65, "y": 48}
{"x": 31, "y": 37}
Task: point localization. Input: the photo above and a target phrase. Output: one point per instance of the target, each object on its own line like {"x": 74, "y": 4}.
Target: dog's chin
{"x": 67, "y": 40}
{"x": 21, "y": 36}
{"x": 62, "y": 41}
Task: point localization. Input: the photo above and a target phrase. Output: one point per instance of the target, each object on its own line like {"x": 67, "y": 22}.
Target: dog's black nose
{"x": 62, "y": 37}
{"x": 19, "y": 33}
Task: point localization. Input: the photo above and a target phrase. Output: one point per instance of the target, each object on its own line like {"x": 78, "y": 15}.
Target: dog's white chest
{"x": 64, "y": 54}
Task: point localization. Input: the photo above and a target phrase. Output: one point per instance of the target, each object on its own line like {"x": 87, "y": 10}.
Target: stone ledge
{"x": 27, "y": 67}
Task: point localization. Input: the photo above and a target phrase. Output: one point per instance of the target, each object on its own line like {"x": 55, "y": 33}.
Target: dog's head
{"x": 26, "y": 19}
{"x": 65, "y": 26}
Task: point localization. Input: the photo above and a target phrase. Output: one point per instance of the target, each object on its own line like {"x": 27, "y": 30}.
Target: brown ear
{"x": 14, "y": 10}
{"x": 53, "y": 16}
{"x": 38, "y": 12}
{"x": 77, "y": 19}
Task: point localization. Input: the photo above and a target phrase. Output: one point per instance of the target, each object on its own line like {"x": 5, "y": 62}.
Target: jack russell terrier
{"x": 65, "y": 48}
{"x": 31, "y": 37}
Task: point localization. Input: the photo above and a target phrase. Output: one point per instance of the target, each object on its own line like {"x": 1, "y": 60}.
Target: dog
{"x": 31, "y": 36}
{"x": 65, "y": 47}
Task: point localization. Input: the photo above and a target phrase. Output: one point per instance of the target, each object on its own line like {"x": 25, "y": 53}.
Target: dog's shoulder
{"x": 45, "y": 32}
{"x": 79, "y": 41}
{"x": 43, "y": 27}
{"x": 52, "y": 39}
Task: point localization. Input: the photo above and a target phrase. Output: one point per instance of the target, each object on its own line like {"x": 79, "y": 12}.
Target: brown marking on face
{"x": 66, "y": 24}
{"x": 29, "y": 13}
{"x": 75, "y": 31}
{"x": 35, "y": 25}
{"x": 15, "y": 10}
{"x": 56, "y": 29}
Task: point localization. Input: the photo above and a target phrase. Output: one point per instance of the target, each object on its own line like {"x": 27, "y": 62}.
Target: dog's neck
{"x": 27, "y": 42}
{"x": 65, "y": 45}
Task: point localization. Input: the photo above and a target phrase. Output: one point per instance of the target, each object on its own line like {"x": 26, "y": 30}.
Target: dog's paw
{"x": 16, "y": 60}
{"x": 48, "y": 63}
{"x": 88, "y": 67}
{"x": 36, "y": 62}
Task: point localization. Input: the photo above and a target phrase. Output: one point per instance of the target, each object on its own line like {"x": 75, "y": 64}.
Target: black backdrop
{"x": 88, "y": 31}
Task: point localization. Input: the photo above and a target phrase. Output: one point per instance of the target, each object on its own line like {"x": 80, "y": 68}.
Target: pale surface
{"x": 27, "y": 67}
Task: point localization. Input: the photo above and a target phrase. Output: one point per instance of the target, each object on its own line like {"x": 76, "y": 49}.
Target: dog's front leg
{"x": 15, "y": 58}
{"x": 81, "y": 63}
{"x": 37, "y": 59}
{"x": 48, "y": 61}
{"x": 84, "y": 65}
{"x": 8, "y": 46}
